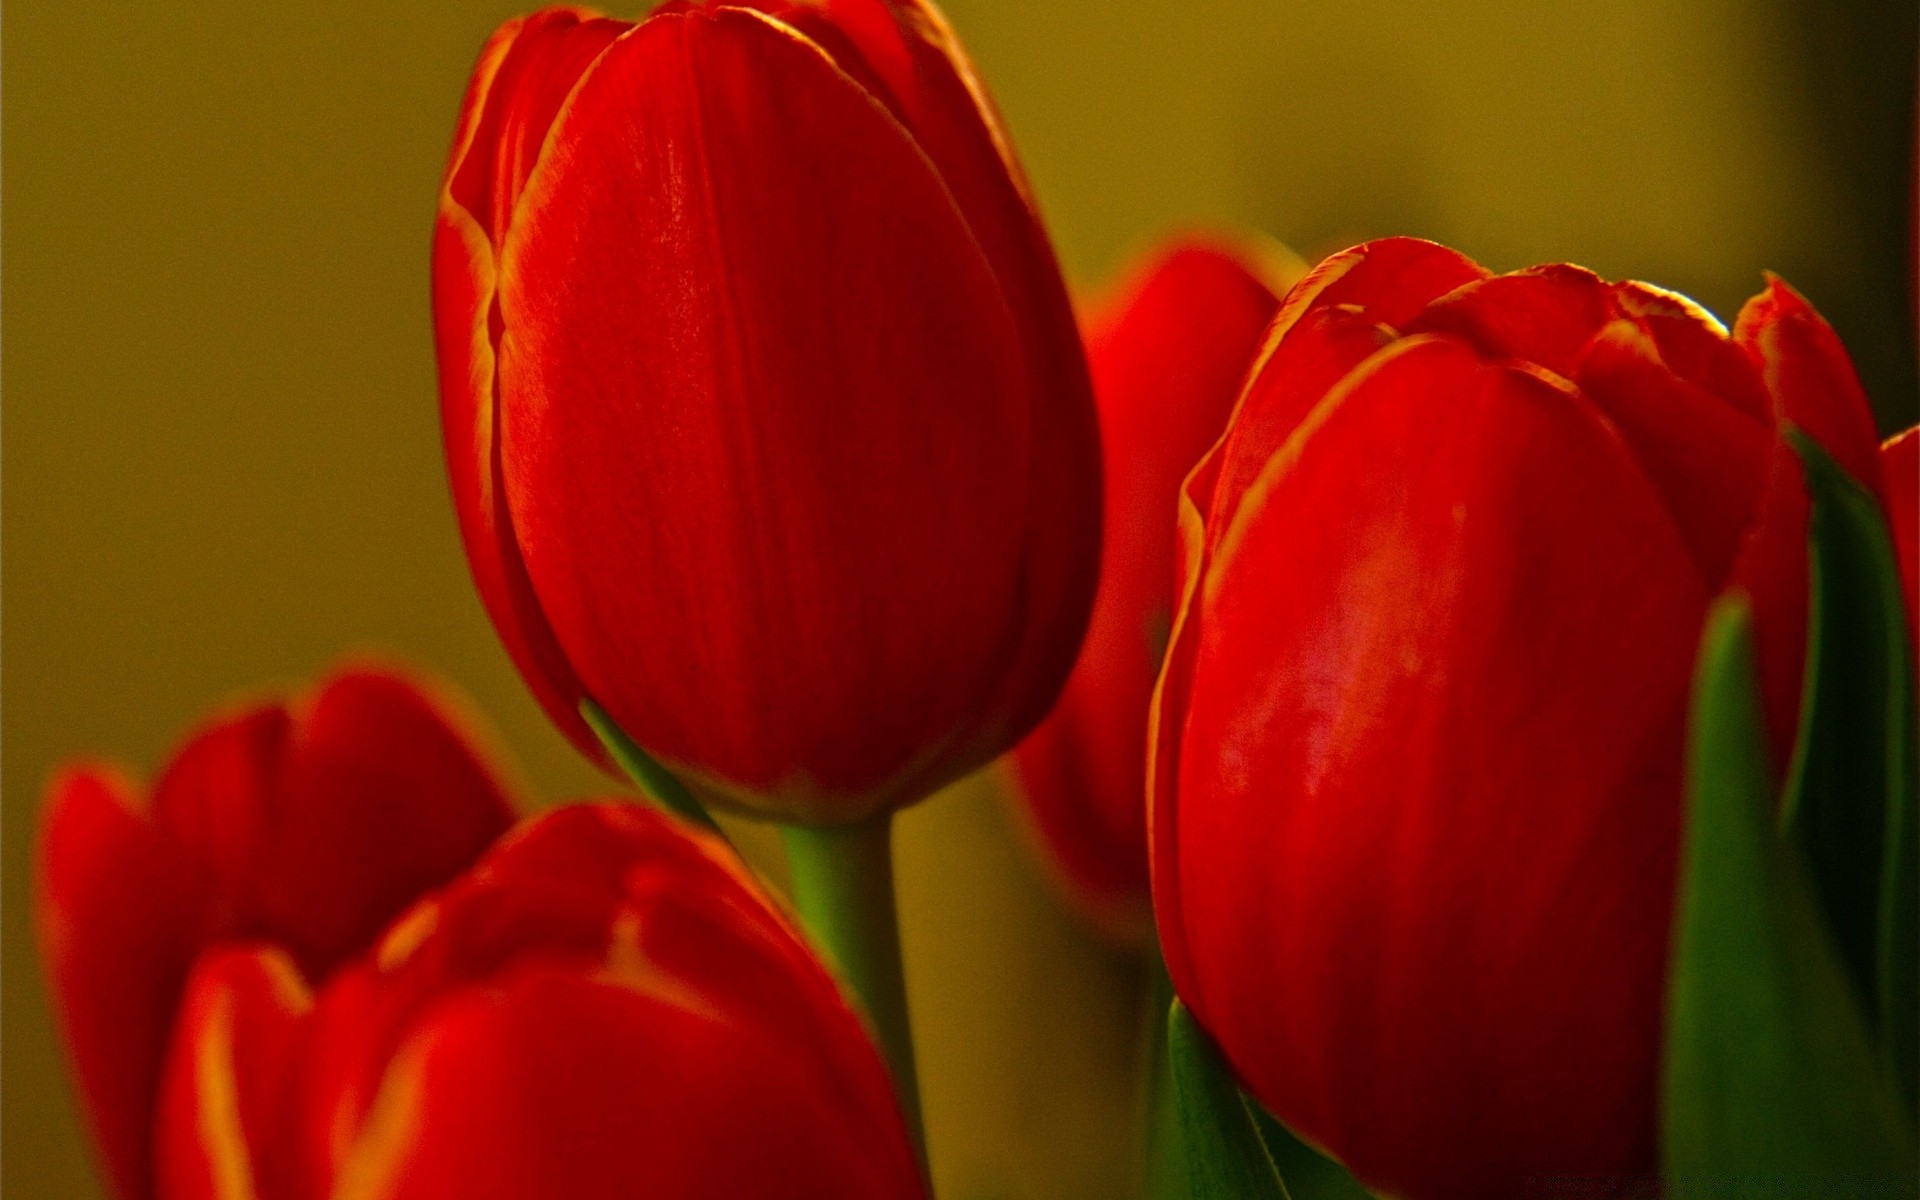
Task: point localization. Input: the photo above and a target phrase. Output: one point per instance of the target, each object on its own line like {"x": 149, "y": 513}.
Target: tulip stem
{"x": 655, "y": 782}
{"x": 843, "y": 889}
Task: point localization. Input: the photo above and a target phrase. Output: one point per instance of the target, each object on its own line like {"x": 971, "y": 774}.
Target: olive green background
{"x": 221, "y": 467}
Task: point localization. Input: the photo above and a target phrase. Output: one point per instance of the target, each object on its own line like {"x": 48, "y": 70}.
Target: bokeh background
{"x": 221, "y": 465}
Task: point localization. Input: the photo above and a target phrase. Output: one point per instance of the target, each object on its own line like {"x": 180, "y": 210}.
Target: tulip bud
{"x": 1416, "y": 789}
{"x": 308, "y": 825}
{"x": 1168, "y": 352}
{"x": 767, "y": 422}
{"x": 605, "y": 1006}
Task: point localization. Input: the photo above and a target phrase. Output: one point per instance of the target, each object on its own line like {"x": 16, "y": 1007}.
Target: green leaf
{"x": 1225, "y": 1157}
{"x": 654, "y": 781}
{"x": 1851, "y": 792}
{"x": 1310, "y": 1175}
{"x": 1771, "y": 1080}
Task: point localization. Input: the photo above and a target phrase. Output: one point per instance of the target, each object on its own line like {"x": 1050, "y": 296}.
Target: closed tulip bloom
{"x": 1168, "y": 351}
{"x": 767, "y": 420}
{"x": 606, "y": 1006}
{"x": 307, "y": 825}
{"x": 1417, "y": 779}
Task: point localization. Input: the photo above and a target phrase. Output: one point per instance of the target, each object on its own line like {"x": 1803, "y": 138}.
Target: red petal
{"x": 465, "y": 313}
{"x": 317, "y": 829}
{"x": 1695, "y": 345}
{"x": 525, "y": 73}
{"x": 118, "y": 918}
{"x": 1428, "y": 782}
{"x": 1391, "y": 281}
{"x": 776, "y": 515}
{"x": 1544, "y": 315}
{"x": 1168, "y": 354}
{"x": 1900, "y": 468}
{"x": 463, "y": 297}
{"x": 233, "y": 1081}
{"x": 1320, "y": 350}
{"x": 1707, "y": 458}
{"x": 928, "y": 82}
{"x": 558, "y": 1084}
{"x": 1810, "y": 377}
{"x": 384, "y": 798}
{"x": 515, "y": 1042}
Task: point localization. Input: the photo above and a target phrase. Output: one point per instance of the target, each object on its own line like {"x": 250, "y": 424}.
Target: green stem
{"x": 843, "y": 889}
{"x": 654, "y": 781}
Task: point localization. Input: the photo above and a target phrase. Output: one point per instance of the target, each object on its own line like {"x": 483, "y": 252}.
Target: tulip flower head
{"x": 307, "y": 826}
{"x": 1168, "y": 350}
{"x": 1416, "y": 790}
{"x": 605, "y": 1006}
{"x": 766, "y": 418}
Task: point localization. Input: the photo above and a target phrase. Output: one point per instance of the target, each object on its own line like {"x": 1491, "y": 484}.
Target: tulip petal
{"x": 927, "y": 81}
{"x": 1900, "y": 469}
{"x": 525, "y": 75}
{"x": 1695, "y": 346}
{"x": 1457, "y": 552}
{"x": 463, "y": 304}
{"x": 1811, "y": 378}
{"x": 1391, "y": 280}
{"x": 607, "y": 997}
{"x": 686, "y": 474}
{"x": 557, "y": 1074}
{"x": 1707, "y": 458}
{"x": 233, "y": 1080}
{"x": 316, "y": 828}
{"x": 117, "y": 914}
{"x": 1544, "y": 315}
{"x": 1323, "y": 347}
{"x": 383, "y": 800}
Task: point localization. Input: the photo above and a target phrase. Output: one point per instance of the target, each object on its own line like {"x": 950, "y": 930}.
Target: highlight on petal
{"x": 233, "y": 1080}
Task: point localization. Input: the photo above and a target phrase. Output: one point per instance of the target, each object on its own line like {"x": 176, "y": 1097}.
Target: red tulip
{"x": 766, "y": 417}
{"x": 606, "y": 1006}
{"x": 1900, "y": 467}
{"x": 307, "y": 825}
{"x": 1417, "y": 777}
{"x": 1168, "y": 351}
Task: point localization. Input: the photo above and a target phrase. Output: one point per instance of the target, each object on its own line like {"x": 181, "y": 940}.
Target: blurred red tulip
{"x": 309, "y": 826}
{"x": 1416, "y": 788}
{"x": 767, "y": 421}
{"x": 1169, "y": 351}
{"x": 606, "y": 1006}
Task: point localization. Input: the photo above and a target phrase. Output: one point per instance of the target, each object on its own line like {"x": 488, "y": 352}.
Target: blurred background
{"x": 221, "y": 456}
